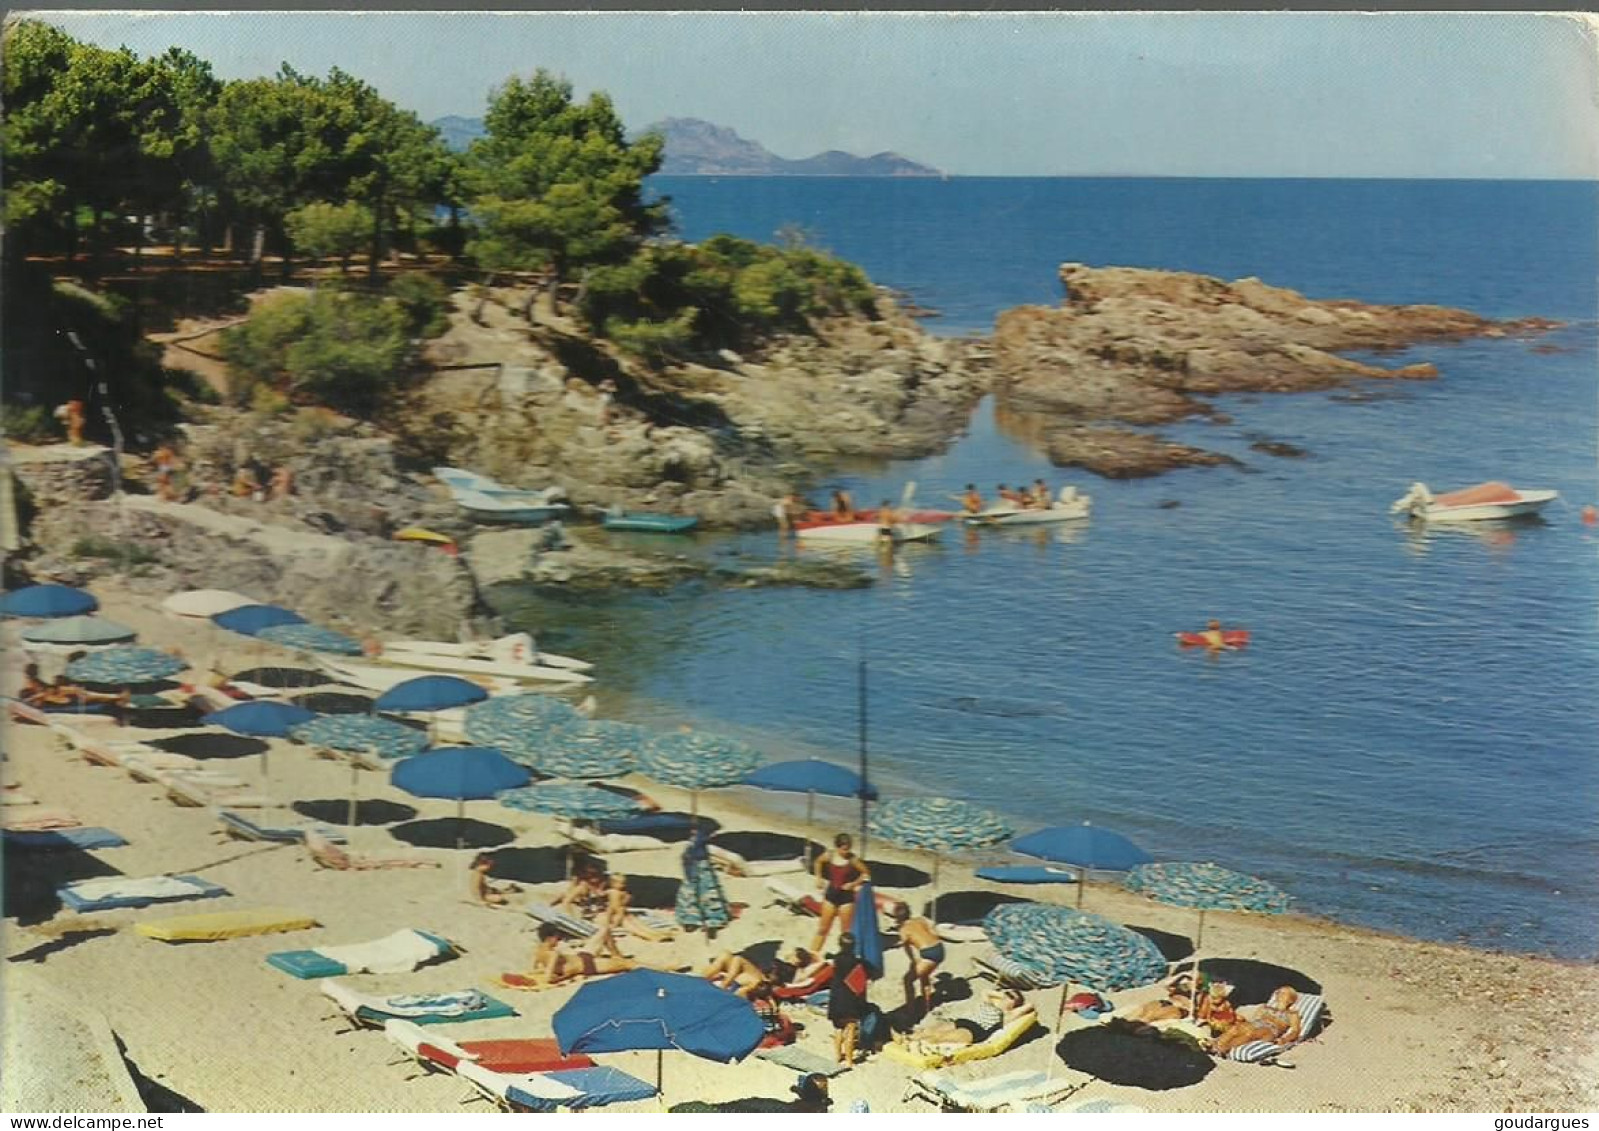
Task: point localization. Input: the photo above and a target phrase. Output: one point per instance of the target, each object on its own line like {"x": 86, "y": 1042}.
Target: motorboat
{"x": 828, "y": 518}
{"x": 518, "y": 648}
{"x": 645, "y": 523}
{"x": 468, "y": 667}
{"x": 487, "y": 500}
{"x": 866, "y": 533}
{"x": 1069, "y": 506}
{"x": 375, "y": 677}
{"x": 1471, "y": 504}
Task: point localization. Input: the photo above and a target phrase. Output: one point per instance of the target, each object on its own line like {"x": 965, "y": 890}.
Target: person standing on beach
{"x": 840, "y": 873}
{"x": 846, "y": 999}
{"x": 920, "y": 941}
{"x": 785, "y": 510}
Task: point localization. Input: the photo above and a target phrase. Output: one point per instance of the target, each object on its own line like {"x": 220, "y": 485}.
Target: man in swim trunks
{"x": 924, "y": 948}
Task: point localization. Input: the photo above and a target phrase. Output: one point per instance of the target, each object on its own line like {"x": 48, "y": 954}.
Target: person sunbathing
{"x": 62, "y": 693}
{"x": 553, "y": 964}
{"x": 588, "y": 894}
{"x": 485, "y": 890}
{"x": 997, "y": 1010}
{"x": 737, "y": 973}
{"x": 1277, "y": 1021}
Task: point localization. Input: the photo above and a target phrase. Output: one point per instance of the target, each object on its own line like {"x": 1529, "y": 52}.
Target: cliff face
{"x": 1146, "y": 347}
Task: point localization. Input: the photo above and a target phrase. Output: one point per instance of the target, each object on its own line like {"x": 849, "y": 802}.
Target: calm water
{"x": 1411, "y": 741}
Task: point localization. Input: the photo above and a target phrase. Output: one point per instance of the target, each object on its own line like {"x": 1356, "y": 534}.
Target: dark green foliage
{"x": 672, "y": 300}
{"x": 129, "y": 553}
{"x": 30, "y": 424}
{"x": 426, "y": 303}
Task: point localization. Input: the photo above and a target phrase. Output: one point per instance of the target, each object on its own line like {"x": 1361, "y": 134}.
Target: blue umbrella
{"x": 1027, "y": 874}
{"x": 464, "y": 773}
{"x": 694, "y": 761}
{"x": 249, "y": 620}
{"x": 572, "y": 800}
{"x": 1206, "y": 887}
{"x": 602, "y": 749}
{"x": 85, "y": 631}
{"x": 311, "y": 638}
{"x": 47, "y": 601}
{"x": 430, "y": 693}
{"x": 648, "y": 1009}
{"x": 937, "y": 825}
{"x": 124, "y": 665}
{"x": 811, "y": 776}
{"x": 1067, "y": 945}
{"x": 262, "y": 718}
{"x": 1085, "y": 847}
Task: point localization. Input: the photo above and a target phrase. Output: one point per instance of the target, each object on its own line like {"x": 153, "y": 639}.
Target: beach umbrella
{"x": 811, "y": 776}
{"x": 1027, "y": 874}
{"x": 78, "y": 632}
{"x": 694, "y": 761}
{"x": 1086, "y": 847}
{"x": 430, "y": 693}
{"x": 379, "y": 737}
{"x": 1068, "y": 945}
{"x": 204, "y": 603}
{"x": 249, "y": 620}
{"x": 937, "y": 825}
{"x": 125, "y": 665}
{"x": 571, "y": 800}
{"x": 48, "y": 601}
{"x": 602, "y": 749}
{"x": 650, "y": 1009}
{"x": 520, "y": 725}
{"x": 1205, "y": 887}
{"x": 701, "y": 902}
{"x": 262, "y": 718}
{"x": 459, "y": 773}
{"x": 311, "y": 638}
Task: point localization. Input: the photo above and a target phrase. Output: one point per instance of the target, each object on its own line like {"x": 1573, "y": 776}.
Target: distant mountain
{"x": 697, "y": 148}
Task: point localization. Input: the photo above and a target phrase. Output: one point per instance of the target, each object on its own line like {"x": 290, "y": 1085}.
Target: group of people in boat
{"x": 1036, "y": 497}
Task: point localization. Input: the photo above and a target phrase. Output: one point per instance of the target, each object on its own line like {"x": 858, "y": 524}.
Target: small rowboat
{"x": 1472, "y": 504}
{"x": 866, "y": 533}
{"x": 1230, "y": 638}
{"x": 644, "y": 523}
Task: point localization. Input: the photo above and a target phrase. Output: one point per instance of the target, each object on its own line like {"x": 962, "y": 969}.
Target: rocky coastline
{"x": 533, "y": 402}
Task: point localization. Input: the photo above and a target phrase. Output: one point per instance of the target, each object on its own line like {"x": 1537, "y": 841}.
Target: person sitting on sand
{"x": 1277, "y": 1021}
{"x": 843, "y": 506}
{"x": 614, "y": 920}
{"x": 587, "y": 895}
{"x": 996, "y": 1010}
{"x": 920, "y": 941}
{"x": 1215, "y": 1007}
{"x": 972, "y": 499}
{"x": 484, "y": 890}
{"x": 165, "y": 464}
{"x": 554, "y": 964}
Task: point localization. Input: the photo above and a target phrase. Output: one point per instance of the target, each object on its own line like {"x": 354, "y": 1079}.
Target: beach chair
{"x": 803, "y": 899}
{"x": 435, "y": 1053}
{"x": 1000, "y": 1041}
{"x": 1309, "y": 1007}
{"x": 1010, "y": 1091}
{"x": 961, "y": 932}
{"x": 331, "y": 856}
{"x": 1008, "y": 972}
{"x": 27, "y": 713}
{"x": 114, "y": 892}
{"x": 221, "y": 925}
{"x": 737, "y": 865}
{"x": 572, "y": 1089}
{"x": 44, "y": 840}
{"x": 370, "y": 1011}
{"x": 569, "y": 925}
{"x": 262, "y": 828}
{"x": 149, "y": 764}
{"x": 399, "y": 953}
{"x": 214, "y": 788}
{"x": 36, "y": 818}
{"x": 801, "y": 1060}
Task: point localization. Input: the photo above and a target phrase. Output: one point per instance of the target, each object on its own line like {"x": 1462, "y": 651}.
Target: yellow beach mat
{"x": 422, "y": 534}
{"x": 999, "y": 1042}
{"x": 218, "y": 925}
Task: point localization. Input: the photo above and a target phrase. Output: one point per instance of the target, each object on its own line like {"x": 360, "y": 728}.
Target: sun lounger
{"x": 818, "y": 981}
{"x": 961, "y": 932}
{"x": 804, "y": 899}
{"x": 331, "y": 856}
{"x": 149, "y": 764}
{"x": 372, "y": 1010}
{"x": 399, "y": 953}
{"x": 86, "y": 839}
{"x": 220, "y": 925}
{"x": 195, "y": 788}
{"x": 603, "y": 844}
{"x": 115, "y": 892}
{"x": 742, "y": 866}
{"x": 1008, "y": 1091}
{"x": 572, "y": 1089}
{"x": 567, "y": 924}
{"x": 1309, "y": 1008}
{"x": 36, "y": 818}
{"x": 27, "y": 713}
{"x": 1000, "y": 1041}
{"x": 437, "y": 1053}
{"x": 264, "y": 828}
{"x": 801, "y": 1060}
{"x": 1009, "y": 972}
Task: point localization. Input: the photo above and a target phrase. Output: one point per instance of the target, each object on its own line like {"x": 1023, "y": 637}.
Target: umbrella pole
{"x": 1054, "y": 1030}
{"x": 1193, "y": 985}
{"x": 660, "y": 1090}
{"x": 933, "y": 906}
{"x": 355, "y": 788}
{"x": 460, "y": 821}
{"x": 1082, "y": 880}
{"x": 810, "y": 825}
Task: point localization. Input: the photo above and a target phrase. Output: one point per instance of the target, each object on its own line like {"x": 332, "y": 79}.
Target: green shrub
{"x": 426, "y": 303}
{"x": 30, "y": 424}
{"x": 129, "y": 553}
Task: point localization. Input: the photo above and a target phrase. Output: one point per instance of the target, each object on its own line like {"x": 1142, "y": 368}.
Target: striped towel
{"x": 1017, "y": 973}
{"x": 1309, "y": 1007}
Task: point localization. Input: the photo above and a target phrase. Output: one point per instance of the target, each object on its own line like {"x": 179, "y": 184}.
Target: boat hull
{"x": 1530, "y": 503}
{"x": 480, "y": 652}
{"x": 375, "y": 678}
{"x": 650, "y": 523}
{"x": 468, "y": 667}
{"x": 866, "y": 533}
{"x": 1038, "y": 517}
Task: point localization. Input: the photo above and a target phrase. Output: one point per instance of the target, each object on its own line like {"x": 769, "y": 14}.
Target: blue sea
{"x": 1411, "y": 742}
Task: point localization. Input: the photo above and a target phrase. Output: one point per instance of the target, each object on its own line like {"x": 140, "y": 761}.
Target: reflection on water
{"x": 1496, "y": 534}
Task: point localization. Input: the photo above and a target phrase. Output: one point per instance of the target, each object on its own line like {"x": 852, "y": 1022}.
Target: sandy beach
{"x": 1411, "y": 1026}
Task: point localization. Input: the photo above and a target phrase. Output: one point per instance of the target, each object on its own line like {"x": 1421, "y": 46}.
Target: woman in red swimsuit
{"x": 840, "y": 873}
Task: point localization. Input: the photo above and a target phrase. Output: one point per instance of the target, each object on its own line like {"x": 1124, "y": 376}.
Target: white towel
{"x": 399, "y": 953}
{"x": 123, "y": 887}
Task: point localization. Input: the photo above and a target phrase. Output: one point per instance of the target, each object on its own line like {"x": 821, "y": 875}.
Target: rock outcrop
{"x": 1145, "y": 347}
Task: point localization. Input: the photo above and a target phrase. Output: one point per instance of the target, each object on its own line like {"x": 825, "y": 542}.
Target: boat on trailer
{"x": 1472, "y": 504}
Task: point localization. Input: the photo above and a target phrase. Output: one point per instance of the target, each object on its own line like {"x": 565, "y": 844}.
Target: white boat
{"x": 1069, "y": 506}
{"x": 519, "y": 647}
{"x": 1472, "y": 504}
{"x": 866, "y": 533}
{"x": 490, "y": 501}
{"x": 469, "y": 667}
{"x": 373, "y": 677}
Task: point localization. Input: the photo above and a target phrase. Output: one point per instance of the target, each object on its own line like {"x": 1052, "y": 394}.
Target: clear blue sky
{"x": 1206, "y": 94}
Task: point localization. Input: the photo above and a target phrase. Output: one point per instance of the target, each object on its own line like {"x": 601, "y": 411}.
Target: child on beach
{"x": 484, "y": 890}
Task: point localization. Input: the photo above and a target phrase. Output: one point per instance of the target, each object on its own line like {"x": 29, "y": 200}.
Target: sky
{"x": 1487, "y": 95}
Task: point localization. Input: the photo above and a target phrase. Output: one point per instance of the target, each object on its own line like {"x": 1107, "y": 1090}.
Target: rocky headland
{"x": 1131, "y": 346}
